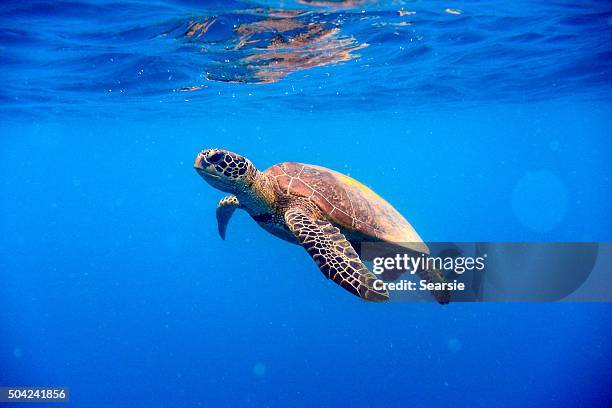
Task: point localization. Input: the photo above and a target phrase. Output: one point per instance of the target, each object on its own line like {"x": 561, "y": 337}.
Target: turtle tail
{"x": 433, "y": 275}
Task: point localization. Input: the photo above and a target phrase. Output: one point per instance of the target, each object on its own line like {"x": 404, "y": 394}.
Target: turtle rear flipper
{"x": 435, "y": 276}
{"x": 334, "y": 255}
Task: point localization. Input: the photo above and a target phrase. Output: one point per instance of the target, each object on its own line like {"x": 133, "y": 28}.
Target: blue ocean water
{"x": 479, "y": 121}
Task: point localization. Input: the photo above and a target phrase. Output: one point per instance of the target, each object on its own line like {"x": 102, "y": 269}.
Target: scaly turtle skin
{"x": 346, "y": 203}
{"x": 320, "y": 209}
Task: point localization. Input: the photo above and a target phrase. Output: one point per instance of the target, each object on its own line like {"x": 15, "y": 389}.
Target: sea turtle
{"x": 319, "y": 208}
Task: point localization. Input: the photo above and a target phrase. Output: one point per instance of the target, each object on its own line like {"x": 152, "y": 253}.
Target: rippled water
{"x": 70, "y": 55}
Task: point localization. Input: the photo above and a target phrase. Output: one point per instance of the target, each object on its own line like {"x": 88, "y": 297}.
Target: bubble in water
{"x": 454, "y": 344}
{"x": 259, "y": 370}
{"x": 17, "y": 352}
{"x": 554, "y": 145}
{"x": 453, "y": 11}
{"x": 540, "y": 201}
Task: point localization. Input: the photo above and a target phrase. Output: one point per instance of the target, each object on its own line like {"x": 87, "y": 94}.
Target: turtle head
{"x": 225, "y": 170}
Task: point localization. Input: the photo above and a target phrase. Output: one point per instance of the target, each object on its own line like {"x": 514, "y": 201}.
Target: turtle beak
{"x": 203, "y": 166}
{"x": 200, "y": 162}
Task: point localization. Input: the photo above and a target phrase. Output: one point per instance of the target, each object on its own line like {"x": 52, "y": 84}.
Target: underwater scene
{"x": 441, "y": 121}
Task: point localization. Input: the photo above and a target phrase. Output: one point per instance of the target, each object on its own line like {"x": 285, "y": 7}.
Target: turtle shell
{"x": 347, "y": 203}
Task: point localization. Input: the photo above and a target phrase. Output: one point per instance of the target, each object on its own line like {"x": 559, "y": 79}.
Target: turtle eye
{"x": 215, "y": 157}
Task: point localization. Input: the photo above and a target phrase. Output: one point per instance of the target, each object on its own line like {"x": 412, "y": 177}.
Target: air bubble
{"x": 259, "y": 370}
{"x": 540, "y": 200}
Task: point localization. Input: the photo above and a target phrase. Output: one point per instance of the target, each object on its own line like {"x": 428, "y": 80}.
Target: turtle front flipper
{"x": 334, "y": 255}
{"x": 225, "y": 209}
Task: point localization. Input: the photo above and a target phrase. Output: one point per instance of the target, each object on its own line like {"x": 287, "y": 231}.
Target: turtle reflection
{"x": 272, "y": 45}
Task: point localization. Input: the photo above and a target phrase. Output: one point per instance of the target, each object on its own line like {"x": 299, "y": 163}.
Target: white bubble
{"x": 540, "y": 200}
{"x": 259, "y": 370}
{"x": 454, "y": 344}
{"x": 453, "y": 11}
{"x": 554, "y": 145}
